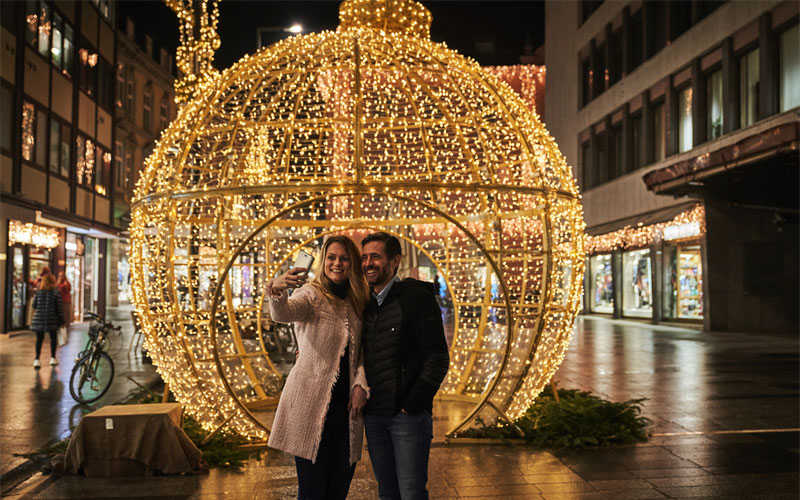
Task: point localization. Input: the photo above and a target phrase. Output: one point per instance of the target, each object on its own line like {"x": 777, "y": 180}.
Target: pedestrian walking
{"x": 48, "y": 315}
{"x": 405, "y": 359}
{"x": 319, "y": 419}
{"x": 65, "y": 289}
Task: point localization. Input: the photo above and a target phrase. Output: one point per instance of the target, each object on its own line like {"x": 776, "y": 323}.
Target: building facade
{"x": 144, "y": 106}
{"x": 59, "y": 179}
{"x": 681, "y": 121}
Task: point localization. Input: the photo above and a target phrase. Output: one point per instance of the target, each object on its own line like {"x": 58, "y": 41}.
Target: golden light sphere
{"x": 370, "y": 127}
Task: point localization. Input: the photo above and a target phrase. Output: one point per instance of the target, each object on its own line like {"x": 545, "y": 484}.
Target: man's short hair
{"x": 390, "y": 243}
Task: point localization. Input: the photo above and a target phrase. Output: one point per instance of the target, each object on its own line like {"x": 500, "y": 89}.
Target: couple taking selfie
{"x": 372, "y": 354}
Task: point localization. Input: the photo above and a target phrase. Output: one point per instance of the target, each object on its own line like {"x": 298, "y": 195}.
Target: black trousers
{"x": 53, "y": 343}
{"x": 329, "y": 478}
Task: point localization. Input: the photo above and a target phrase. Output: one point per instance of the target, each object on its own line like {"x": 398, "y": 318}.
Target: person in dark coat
{"x": 405, "y": 359}
{"x": 48, "y": 316}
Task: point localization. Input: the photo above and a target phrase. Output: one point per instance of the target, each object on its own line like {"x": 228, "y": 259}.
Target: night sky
{"x": 492, "y": 32}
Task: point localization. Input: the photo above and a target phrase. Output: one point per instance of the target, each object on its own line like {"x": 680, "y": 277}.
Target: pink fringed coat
{"x": 322, "y": 331}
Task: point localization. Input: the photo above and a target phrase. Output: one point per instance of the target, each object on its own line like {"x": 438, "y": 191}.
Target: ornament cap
{"x": 404, "y": 16}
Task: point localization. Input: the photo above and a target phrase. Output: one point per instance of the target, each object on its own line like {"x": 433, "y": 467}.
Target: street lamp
{"x": 294, "y": 29}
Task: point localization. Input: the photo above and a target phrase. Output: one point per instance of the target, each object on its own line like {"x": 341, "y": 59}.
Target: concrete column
{"x": 656, "y": 279}
{"x": 616, "y": 273}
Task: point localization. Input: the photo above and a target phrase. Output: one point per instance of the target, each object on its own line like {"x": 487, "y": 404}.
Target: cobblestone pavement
{"x": 725, "y": 426}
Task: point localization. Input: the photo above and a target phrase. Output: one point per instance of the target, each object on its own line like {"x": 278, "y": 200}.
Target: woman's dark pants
{"x": 329, "y": 478}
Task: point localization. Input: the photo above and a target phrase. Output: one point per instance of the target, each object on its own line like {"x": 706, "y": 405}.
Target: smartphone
{"x": 304, "y": 259}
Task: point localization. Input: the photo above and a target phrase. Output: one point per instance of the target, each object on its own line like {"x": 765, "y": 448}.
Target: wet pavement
{"x": 725, "y": 413}
{"x": 36, "y": 408}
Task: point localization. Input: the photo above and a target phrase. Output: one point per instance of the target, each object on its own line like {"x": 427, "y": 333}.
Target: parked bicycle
{"x": 94, "y": 370}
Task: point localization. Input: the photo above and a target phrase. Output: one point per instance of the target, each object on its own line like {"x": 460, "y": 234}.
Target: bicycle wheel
{"x": 91, "y": 377}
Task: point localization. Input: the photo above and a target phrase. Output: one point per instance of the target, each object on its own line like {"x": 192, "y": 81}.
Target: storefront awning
{"x": 775, "y": 148}
{"x": 76, "y": 227}
{"x": 645, "y": 219}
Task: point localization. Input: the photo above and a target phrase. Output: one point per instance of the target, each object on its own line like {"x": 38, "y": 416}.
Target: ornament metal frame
{"x": 532, "y": 292}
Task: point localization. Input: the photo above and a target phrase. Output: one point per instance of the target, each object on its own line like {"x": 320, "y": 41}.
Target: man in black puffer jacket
{"x": 406, "y": 359}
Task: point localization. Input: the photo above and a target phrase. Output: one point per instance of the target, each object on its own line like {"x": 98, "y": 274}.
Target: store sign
{"x": 32, "y": 234}
{"x": 681, "y": 231}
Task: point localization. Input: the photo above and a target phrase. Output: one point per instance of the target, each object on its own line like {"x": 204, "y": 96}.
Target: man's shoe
{"x": 36, "y": 364}
{"x": 53, "y": 361}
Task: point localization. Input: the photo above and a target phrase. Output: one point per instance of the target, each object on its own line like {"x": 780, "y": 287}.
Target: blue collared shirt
{"x": 380, "y": 297}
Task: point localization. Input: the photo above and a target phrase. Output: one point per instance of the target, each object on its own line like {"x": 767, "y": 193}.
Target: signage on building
{"x": 682, "y": 231}
{"x": 32, "y": 234}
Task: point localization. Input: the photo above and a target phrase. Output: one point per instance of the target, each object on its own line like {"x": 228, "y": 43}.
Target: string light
{"x": 372, "y": 126}
{"x": 641, "y": 236}
{"x": 32, "y": 234}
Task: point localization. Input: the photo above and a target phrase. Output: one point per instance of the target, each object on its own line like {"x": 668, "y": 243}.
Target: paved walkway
{"x": 36, "y": 408}
{"x": 725, "y": 410}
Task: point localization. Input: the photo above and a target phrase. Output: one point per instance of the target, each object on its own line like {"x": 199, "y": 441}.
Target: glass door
{"x": 19, "y": 289}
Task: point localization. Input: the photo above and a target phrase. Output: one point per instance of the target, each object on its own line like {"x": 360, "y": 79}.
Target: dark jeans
{"x": 329, "y": 478}
{"x": 399, "y": 447}
{"x": 53, "y": 343}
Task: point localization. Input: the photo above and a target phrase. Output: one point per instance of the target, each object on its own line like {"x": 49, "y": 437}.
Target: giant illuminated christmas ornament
{"x": 370, "y": 127}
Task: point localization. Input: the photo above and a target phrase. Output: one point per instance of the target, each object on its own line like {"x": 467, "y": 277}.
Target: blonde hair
{"x": 359, "y": 289}
{"x": 48, "y": 282}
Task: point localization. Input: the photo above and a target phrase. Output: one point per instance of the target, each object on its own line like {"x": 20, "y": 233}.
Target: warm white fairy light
{"x": 371, "y": 126}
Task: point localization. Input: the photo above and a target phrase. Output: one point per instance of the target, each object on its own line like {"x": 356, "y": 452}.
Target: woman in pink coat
{"x": 319, "y": 417}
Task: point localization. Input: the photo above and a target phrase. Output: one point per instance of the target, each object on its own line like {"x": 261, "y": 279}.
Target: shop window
{"x": 164, "y": 112}
{"x": 104, "y": 6}
{"x": 105, "y": 84}
{"x": 38, "y": 24}
{"x": 586, "y": 81}
{"x": 62, "y": 52}
{"x": 684, "y": 119}
{"x": 600, "y": 160}
{"x": 103, "y": 171}
{"x": 87, "y": 60}
{"x": 41, "y": 137}
{"x": 147, "y": 107}
{"x": 85, "y": 164}
{"x": 6, "y": 115}
{"x": 130, "y": 86}
{"x": 34, "y": 134}
{"x": 656, "y": 24}
{"x": 617, "y": 57}
{"x": 636, "y": 40}
{"x": 588, "y": 7}
{"x": 600, "y": 71}
{"x": 714, "y": 115}
{"x": 616, "y": 152}
{"x": 681, "y": 18}
{"x": 659, "y": 133}
{"x": 28, "y": 131}
{"x": 790, "y": 68}
{"x": 59, "y": 147}
{"x": 119, "y": 167}
{"x": 602, "y": 282}
{"x": 65, "y": 149}
{"x": 683, "y": 282}
{"x": 129, "y": 167}
{"x": 8, "y": 17}
{"x": 748, "y": 88}
{"x": 55, "y": 144}
{"x": 637, "y": 291}
{"x": 586, "y": 165}
{"x": 636, "y": 143}
{"x": 120, "y": 84}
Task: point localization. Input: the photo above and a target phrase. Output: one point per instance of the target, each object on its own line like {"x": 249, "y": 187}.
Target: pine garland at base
{"x": 578, "y": 420}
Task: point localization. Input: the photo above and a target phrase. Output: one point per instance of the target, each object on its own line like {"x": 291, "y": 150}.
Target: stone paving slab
{"x": 700, "y": 395}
